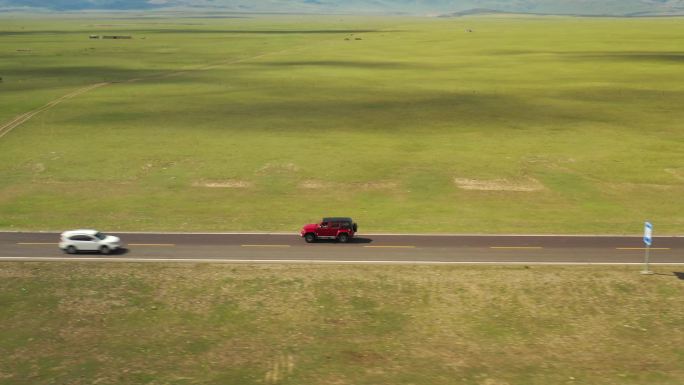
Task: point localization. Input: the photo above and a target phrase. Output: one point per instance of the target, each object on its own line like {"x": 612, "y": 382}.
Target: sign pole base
{"x": 647, "y": 255}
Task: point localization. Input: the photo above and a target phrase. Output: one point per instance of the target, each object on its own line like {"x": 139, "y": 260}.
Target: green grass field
{"x": 525, "y": 125}
{"x": 179, "y": 324}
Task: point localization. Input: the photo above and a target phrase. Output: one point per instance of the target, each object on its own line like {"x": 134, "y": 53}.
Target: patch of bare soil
{"x": 676, "y": 172}
{"x": 527, "y": 184}
{"x": 377, "y": 185}
{"x": 373, "y": 185}
{"x": 314, "y": 184}
{"x": 229, "y": 183}
{"x": 279, "y": 168}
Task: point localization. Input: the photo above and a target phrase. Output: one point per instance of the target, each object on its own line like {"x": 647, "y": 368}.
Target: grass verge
{"x": 551, "y": 125}
{"x": 92, "y": 323}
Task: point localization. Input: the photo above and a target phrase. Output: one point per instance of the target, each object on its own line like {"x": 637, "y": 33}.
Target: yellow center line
{"x": 153, "y": 244}
{"x": 393, "y": 247}
{"x": 265, "y": 245}
{"x": 642, "y": 248}
{"x": 37, "y": 243}
{"x": 516, "y": 247}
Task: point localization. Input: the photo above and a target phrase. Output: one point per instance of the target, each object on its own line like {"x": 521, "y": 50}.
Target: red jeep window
{"x": 335, "y": 225}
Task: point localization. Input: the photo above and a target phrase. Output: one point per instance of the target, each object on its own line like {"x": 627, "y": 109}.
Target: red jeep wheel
{"x": 343, "y": 238}
{"x": 309, "y": 237}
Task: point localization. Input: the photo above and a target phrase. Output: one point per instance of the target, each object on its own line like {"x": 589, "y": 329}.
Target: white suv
{"x": 88, "y": 240}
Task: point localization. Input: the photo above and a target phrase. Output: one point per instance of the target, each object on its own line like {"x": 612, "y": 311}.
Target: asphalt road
{"x": 372, "y": 248}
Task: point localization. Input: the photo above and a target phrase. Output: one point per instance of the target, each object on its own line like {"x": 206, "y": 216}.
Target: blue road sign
{"x": 648, "y": 231}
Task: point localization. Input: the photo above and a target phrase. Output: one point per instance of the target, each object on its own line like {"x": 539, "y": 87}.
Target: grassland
{"x": 225, "y": 324}
{"x": 525, "y": 125}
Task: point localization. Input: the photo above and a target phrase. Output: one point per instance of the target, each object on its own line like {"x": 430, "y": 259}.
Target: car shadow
{"x": 360, "y": 240}
{"x": 355, "y": 240}
{"x": 120, "y": 251}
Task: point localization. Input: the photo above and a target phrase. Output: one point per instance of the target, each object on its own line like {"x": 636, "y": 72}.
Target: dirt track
{"x": 20, "y": 119}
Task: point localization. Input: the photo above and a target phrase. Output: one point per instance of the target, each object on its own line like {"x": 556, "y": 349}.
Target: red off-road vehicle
{"x": 340, "y": 228}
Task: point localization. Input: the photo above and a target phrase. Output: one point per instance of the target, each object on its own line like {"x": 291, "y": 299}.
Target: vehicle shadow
{"x": 360, "y": 240}
{"x": 355, "y": 240}
{"x": 120, "y": 251}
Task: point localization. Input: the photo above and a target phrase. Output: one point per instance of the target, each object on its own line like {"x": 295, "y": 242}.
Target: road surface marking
{"x": 516, "y": 247}
{"x": 319, "y": 261}
{"x": 642, "y": 248}
{"x": 392, "y": 247}
{"x": 152, "y": 244}
{"x": 37, "y": 243}
{"x": 265, "y": 245}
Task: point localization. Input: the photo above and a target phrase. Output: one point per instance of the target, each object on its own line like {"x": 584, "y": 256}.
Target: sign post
{"x": 648, "y": 240}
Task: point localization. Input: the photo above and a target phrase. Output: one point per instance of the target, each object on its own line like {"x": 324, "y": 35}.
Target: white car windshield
{"x": 100, "y": 236}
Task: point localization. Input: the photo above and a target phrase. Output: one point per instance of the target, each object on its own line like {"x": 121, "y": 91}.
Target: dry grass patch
{"x": 527, "y": 184}
{"x": 229, "y": 183}
{"x": 364, "y": 186}
{"x": 377, "y": 185}
{"x": 281, "y": 367}
{"x": 635, "y": 187}
{"x": 677, "y": 173}
{"x": 278, "y": 168}
{"x": 315, "y": 185}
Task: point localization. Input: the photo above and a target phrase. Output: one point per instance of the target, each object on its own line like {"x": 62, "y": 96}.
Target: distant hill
{"x": 414, "y": 7}
{"x": 474, "y": 11}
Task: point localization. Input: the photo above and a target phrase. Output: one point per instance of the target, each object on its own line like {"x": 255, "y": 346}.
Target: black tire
{"x": 105, "y": 250}
{"x": 343, "y": 238}
{"x": 355, "y": 228}
{"x": 309, "y": 237}
{"x": 71, "y": 250}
